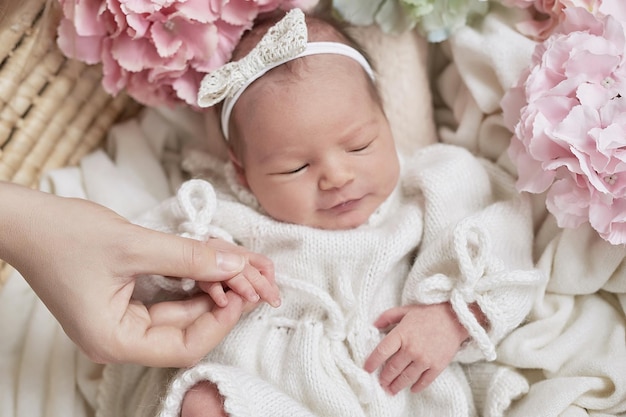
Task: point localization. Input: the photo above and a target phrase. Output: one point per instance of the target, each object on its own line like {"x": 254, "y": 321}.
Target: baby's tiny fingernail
{"x": 228, "y": 261}
{"x": 253, "y": 298}
{"x": 275, "y": 303}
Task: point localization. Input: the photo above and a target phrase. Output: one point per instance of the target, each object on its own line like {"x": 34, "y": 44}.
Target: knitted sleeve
{"x": 476, "y": 247}
{"x": 188, "y": 214}
{"x": 245, "y": 395}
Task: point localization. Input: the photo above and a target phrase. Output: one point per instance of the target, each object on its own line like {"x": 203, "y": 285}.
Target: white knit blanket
{"x": 572, "y": 350}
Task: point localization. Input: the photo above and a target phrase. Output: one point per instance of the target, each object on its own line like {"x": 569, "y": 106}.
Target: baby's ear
{"x": 240, "y": 172}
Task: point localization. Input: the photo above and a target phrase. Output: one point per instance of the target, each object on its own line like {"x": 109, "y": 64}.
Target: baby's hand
{"x": 255, "y": 283}
{"x": 201, "y": 400}
{"x": 423, "y": 341}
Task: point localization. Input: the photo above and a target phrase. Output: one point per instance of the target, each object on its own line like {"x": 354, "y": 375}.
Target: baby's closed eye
{"x": 292, "y": 171}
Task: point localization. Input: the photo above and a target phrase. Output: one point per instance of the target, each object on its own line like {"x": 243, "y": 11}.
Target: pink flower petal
{"x": 117, "y": 19}
{"x": 593, "y": 95}
{"x": 197, "y": 10}
{"x": 531, "y": 177}
{"x": 114, "y": 78}
{"x": 84, "y": 48}
{"x": 166, "y": 41}
{"x": 86, "y": 17}
{"x": 187, "y": 86}
{"x": 573, "y": 129}
{"x": 138, "y": 25}
{"x": 609, "y": 220}
{"x": 198, "y": 40}
{"x": 134, "y": 55}
{"x": 149, "y": 93}
{"x": 568, "y": 203}
{"x": 144, "y": 6}
{"x": 590, "y": 66}
{"x": 239, "y": 12}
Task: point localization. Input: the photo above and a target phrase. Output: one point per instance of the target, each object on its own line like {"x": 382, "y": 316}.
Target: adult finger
{"x": 165, "y": 254}
{"x": 180, "y": 313}
{"x": 175, "y": 345}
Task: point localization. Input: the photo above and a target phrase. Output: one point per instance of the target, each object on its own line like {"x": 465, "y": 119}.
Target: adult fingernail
{"x": 228, "y": 261}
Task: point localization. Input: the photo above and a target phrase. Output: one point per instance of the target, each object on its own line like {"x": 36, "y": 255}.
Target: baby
{"x": 315, "y": 183}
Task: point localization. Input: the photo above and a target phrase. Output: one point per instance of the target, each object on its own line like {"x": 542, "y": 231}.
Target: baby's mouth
{"x": 345, "y": 205}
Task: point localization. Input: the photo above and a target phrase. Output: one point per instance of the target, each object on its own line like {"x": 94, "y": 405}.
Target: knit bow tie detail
{"x": 282, "y": 42}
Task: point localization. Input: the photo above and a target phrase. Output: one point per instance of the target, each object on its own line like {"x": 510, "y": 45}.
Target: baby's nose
{"x": 336, "y": 176}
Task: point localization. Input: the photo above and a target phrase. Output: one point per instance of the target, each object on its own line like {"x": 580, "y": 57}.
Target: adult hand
{"x": 423, "y": 341}
{"x": 81, "y": 259}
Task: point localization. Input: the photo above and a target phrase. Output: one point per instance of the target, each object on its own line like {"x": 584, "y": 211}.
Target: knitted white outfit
{"x": 306, "y": 357}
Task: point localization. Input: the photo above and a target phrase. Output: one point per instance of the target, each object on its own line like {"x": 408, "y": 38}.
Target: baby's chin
{"x": 345, "y": 221}
{"x": 330, "y": 221}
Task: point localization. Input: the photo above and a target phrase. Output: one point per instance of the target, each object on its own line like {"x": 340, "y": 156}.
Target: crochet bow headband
{"x": 283, "y": 42}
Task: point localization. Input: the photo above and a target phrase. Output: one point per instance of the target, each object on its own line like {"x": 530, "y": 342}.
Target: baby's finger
{"x": 408, "y": 377}
{"x": 266, "y": 289}
{"x": 385, "y": 349}
{"x": 262, "y": 264}
{"x": 390, "y": 317}
{"x": 425, "y": 380}
{"x": 243, "y": 287}
{"x": 393, "y": 369}
{"x": 216, "y": 291}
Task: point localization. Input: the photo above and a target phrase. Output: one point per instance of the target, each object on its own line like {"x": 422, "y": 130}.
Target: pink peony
{"x": 568, "y": 115}
{"x": 158, "y": 50}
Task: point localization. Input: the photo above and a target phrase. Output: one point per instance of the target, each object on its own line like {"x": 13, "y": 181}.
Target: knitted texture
{"x": 476, "y": 246}
{"x": 494, "y": 387}
{"x": 308, "y": 354}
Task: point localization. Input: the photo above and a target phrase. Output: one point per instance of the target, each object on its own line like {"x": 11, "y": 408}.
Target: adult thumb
{"x": 179, "y": 257}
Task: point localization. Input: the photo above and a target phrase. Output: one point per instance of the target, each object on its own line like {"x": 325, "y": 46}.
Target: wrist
{"x": 463, "y": 333}
{"x": 14, "y": 220}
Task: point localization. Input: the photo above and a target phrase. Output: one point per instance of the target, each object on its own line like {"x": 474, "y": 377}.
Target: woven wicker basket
{"x": 53, "y": 110}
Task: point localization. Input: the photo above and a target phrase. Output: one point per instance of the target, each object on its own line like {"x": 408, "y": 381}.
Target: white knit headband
{"x": 283, "y": 42}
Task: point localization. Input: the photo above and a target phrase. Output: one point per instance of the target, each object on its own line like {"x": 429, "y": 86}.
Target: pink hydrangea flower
{"x": 568, "y": 115}
{"x": 158, "y": 50}
{"x": 545, "y": 15}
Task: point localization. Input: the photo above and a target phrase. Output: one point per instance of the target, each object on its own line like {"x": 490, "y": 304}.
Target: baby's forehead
{"x": 327, "y": 77}
{"x": 297, "y": 77}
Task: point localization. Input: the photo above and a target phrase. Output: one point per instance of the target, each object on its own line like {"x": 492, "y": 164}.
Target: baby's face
{"x": 318, "y": 148}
